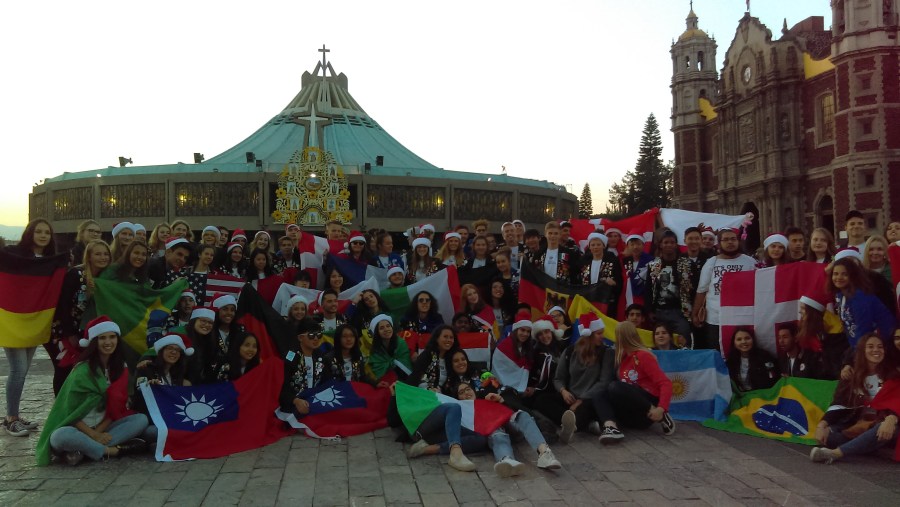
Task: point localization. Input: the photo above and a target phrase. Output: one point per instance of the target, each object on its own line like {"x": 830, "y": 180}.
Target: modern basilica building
{"x": 321, "y": 158}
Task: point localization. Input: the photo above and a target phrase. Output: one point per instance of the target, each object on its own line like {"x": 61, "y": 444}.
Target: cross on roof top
{"x": 324, "y": 61}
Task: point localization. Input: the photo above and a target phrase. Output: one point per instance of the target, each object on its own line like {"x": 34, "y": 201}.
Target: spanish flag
{"x": 29, "y": 291}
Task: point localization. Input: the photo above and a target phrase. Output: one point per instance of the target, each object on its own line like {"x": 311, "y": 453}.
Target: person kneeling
{"x": 79, "y": 423}
{"x": 642, "y": 393}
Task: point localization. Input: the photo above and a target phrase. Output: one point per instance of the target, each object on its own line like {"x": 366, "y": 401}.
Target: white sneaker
{"x": 548, "y": 461}
{"x": 417, "y": 449}
{"x": 822, "y": 455}
{"x": 508, "y": 467}
{"x": 568, "y": 427}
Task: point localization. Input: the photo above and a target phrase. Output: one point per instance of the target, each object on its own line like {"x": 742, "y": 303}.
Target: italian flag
{"x": 481, "y": 416}
{"x": 443, "y": 285}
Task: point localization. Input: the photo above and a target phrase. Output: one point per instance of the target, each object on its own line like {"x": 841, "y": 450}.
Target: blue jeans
{"x": 444, "y": 427}
{"x": 524, "y": 424}
{"x": 70, "y": 439}
{"x": 866, "y": 443}
{"x": 19, "y": 362}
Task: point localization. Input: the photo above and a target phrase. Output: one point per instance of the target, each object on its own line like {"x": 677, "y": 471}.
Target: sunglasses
{"x": 314, "y": 336}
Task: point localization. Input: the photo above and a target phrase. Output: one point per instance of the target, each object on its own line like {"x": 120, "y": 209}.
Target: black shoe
{"x": 133, "y": 446}
{"x": 74, "y": 457}
{"x": 667, "y": 423}
{"x": 611, "y": 435}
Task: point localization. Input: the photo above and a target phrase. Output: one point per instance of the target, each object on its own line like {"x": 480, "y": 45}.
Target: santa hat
{"x": 139, "y": 227}
{"x": 201, "y": 312}
{"x": 546, "y": 323}
{"x": 288, "y": 226}
{"x": 565, "y": 223}
{"x": 238, "y": 233}
{"x": 523, "y": 319}
{"x": 596, "y": 235}
{"x": 517, "y": 221}
{"x": 426, "y": 227}
{"x": 421, "y": 241}
{"x": 121, "y": 226}
{"x": 851, "y": 252}
{"x": 708, "y": 232}
{"x": 188, "y": 294}
{"x": 211, "y": 228}
{"x": 356, "y": 236}
{"x": 262, "y": 233}
{"x": 172, "y": 243}
{"x": 182, "y": 342}
{"x": 231, "y": 246}
{"x": 373, "y": 326}
{"x": 394, "y": 270}
{"x": 771, "y": 239}
{"x": 813, "y": 303}
{"x": 452, "y": 235}
{"x": 223, "y": 300}
{"x": 635, "y": 235}
{"x": 96, "y": 327}
{"x": 556, "y": 309}
{"x": 613, "y": 230}
{"x": 590, "y": 324}
{"x": 296, "y": 298}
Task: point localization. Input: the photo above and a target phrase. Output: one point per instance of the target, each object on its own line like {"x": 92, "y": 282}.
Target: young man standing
{"x": 304, "y": 368}
{"x": 329, "y": 319}
{"x": 796, "y": 244}
{"x": 508, "y": 231}
{"x": 709, "y": 291}
{"x": 555, "y": 260}
{"x": 670, "y": 288}
{"x": 856, "y": 231}
{"x": 163, "y": 271}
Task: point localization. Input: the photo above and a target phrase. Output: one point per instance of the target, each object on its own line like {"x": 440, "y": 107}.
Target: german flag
{"x": 29, "y": 291}
{"x": 543, "y": 292}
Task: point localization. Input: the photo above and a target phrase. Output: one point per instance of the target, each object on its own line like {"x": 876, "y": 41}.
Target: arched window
{"x": 687, "y": 62}
{"x": 700, "y": 60}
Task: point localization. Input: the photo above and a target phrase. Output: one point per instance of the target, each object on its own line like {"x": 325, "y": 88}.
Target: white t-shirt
{"x": 711, "y": 281}
{"x": 550, "y": 261}
{"x": 595, "y": 270}
{"x": 329, "y": 324}
{"x": 861, "y": 247}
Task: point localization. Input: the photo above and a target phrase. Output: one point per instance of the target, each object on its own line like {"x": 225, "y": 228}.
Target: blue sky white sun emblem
{"x": 328, "y": 397}
{"x": 198, "y": 411}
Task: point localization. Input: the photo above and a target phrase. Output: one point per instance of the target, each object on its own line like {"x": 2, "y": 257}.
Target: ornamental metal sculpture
{"x": 312, "y": 190}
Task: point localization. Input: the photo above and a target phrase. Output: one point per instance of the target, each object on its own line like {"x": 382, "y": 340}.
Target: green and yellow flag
{"x": 788, "y": 411}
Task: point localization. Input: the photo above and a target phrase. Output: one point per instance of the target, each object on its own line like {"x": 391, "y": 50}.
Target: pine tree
{"x": 649, "y": 184}
{"x": 585, "y": 203}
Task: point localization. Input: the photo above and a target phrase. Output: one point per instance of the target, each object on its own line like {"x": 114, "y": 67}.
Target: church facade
{"x": 797, "y": 129}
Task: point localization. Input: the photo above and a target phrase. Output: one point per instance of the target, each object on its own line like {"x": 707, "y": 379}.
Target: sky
{"x": 551, "y": 90}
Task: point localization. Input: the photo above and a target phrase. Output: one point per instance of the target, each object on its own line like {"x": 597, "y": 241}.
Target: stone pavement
{"x": 696, "y": 466}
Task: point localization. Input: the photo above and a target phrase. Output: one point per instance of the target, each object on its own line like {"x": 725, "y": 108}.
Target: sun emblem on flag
{"x": 328, "y": 397}
{"x": 680, "y": 387}
{"x": 198, "y": 411}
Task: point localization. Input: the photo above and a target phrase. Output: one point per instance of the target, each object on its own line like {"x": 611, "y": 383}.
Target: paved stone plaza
{"x": 696, "y": 466}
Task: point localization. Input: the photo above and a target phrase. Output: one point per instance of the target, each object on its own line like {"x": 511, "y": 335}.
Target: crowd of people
{"x": 846, "y": 330}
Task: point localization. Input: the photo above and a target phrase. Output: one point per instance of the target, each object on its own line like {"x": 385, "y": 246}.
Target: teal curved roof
{"x": 322, "y": 114}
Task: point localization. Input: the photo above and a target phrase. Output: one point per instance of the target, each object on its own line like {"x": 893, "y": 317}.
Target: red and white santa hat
{"x": 635, "y": 235}
{"x": 202, "y": 312}
{"x": 121, "y": 226}
{"x": 139, "y": 227}
{"x": 182, "y": 342}
{"x": 222, "y": 300}
{"x": 546, "y": 323}
{"x": 596, "y": 235}
{"x": 851, "y": 252}
{"x": 188, "y": 294}
{"x": 523, "y": 319}
{"x": 426, "y": 227}
{"x": 96, "y": 327}
{"x": 232, "y": 245}
{"x": 288, "y": 227}
{"x": 394, "y": 270}
{"x": 452, "y": 235}
{"x": 771, "y": 239}
{"x": 172, "y": 243}
{"x": 519, "y": 222}
{"x": 356, "y": 236}
{"x": 213, "y": 229}
{"x": 239, "y": 233}
{"x": 373, "y": 325}
{"x": 815, "y": 298}
{"x": 262, "y": 233}
{"x": 613, "y": 230}
{"x": 296, "y": 298}
{"x": 590, "y": 324}
{"x": 421, "y": 241}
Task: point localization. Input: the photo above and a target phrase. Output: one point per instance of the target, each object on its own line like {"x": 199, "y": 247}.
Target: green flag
{"x": 788, "y": 411}
{"x": 414, "y": 404}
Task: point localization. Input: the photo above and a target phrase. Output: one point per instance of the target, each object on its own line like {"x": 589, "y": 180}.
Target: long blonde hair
{"x": 85, "y": 261}
{"x": 627, "y": 340}
{"x": 875, "y": 239}
{"x": 154, "y": 242}
{"x": 443, "y": 253}
{"x": 588, "y": 352}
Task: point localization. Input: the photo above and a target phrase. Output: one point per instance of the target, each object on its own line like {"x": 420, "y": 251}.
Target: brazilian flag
{"x": 137, "y": 309}
{"x": 788, "y": 411}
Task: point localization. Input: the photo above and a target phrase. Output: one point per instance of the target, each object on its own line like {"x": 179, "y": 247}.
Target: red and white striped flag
{"x": 764, "y": 298}
{"x": 217, "y": 283}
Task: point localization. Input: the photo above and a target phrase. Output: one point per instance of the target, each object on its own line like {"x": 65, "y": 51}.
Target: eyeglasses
{"x": 424, "y": 300}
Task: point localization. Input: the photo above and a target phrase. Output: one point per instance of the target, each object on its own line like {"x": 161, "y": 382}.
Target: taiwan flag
{"x": 215, "y": 420}
{"x": 341, "y": 409}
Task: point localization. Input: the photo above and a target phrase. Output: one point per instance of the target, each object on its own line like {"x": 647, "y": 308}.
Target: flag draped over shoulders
{"x": 443, "y": 285}
{"x": 29, "y": 291}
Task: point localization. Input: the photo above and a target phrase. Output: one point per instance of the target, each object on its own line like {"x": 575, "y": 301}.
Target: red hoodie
{"x": 641, "y": 368}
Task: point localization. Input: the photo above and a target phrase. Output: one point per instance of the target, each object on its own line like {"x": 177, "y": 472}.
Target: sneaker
{"x": 611, "y": 435}
{"x": 417, "y": 449}
{"x": 821, "y": 455}
{"x": 548, "y": 461}
{"x": 568, "y": 427}
{"x": 508, "y": 467}
{"x": 667, "y": 423}
{"x": 461, "y": 463}
{"x": 594, "y": 428}
{"x": 74, "y": 457}
{"x": 31, "y": 425}
{"x": 16, "y": 428}
{"x": 133, "y": 446}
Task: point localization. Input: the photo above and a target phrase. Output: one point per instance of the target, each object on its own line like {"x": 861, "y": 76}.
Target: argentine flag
{"x": 701, "y": 388}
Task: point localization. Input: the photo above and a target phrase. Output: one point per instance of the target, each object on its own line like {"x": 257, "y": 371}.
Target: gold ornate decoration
{"x": 312, "y": 190}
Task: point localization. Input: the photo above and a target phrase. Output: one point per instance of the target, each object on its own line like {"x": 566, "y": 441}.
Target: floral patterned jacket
{"x": 295, "y": 376}
{"x": 565, "y": 265}
{"x": 682, "y": 273}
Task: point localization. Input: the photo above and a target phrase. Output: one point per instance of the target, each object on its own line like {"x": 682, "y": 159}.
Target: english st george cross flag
{"x": 764, "y": 298}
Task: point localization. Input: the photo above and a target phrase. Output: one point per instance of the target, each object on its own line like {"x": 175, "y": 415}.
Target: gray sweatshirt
{"x": 584, "y": 382}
